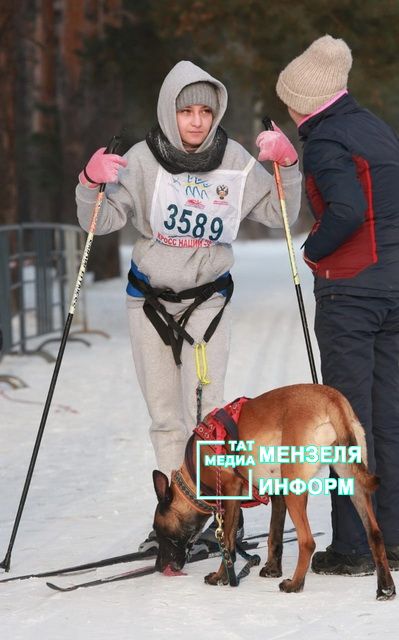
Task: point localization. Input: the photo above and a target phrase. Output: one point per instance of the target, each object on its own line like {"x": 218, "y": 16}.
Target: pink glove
{"x": 275, "y": 146}
{"x": 102, "y": 167}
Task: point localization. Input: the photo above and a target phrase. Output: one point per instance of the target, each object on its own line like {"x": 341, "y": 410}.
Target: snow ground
{"x": 92, "y": 496}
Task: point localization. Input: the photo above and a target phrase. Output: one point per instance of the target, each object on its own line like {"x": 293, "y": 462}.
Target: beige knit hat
{"x": 198, "y": 93}
{"x": 316, "y": 75}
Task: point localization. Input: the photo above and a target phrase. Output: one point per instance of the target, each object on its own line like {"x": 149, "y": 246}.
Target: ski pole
{"x": 93, "y": 223}
{"x": 269, "y": 127}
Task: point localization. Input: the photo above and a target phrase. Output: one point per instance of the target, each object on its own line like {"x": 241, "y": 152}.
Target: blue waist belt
{"x": 131, "y": 290}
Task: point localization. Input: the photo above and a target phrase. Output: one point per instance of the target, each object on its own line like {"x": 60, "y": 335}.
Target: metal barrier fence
{"x": 38, "y": 269}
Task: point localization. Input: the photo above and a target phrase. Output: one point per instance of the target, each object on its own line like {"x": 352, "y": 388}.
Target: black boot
{"x": 331, "y": 563}
{"x": 393, "y": 556}
{"x": 150, "y": 547}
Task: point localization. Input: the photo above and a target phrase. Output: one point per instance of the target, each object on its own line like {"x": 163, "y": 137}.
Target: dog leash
{"x": 227, "y": 557}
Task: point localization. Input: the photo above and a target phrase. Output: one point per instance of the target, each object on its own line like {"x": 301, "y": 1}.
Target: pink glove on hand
{"x": 275, "y": 146}
{"x": 102, "y": 167}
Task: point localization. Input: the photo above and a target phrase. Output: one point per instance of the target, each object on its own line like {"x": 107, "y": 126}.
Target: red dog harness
{"x": 220, "y": 424}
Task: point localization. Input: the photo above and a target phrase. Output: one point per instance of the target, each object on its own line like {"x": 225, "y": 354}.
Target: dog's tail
{"x": 350, "y": 433}
{"x": 369, "y": 481}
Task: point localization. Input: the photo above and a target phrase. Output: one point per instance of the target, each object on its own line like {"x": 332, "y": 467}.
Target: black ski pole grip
{"x": 111, "y": 148}
{"x": 267, "y": 123}
{"x": 113, "y": 144}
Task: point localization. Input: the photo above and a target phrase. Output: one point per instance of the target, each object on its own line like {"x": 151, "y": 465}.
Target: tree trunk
{"x": 8, "y": 172}
{"x": 72, "y": 132}
{"x": 100, "y": 110}
{"x": 45, "y": 167}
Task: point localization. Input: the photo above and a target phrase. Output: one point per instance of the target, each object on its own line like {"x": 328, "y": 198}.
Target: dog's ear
{"x": 161, "y": 486}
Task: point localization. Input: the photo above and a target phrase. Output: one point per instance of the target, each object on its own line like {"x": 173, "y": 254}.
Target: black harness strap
{"x": 228, "y": 422}
{"x": 232, "y": 430}
{"x": 171, "y": 332}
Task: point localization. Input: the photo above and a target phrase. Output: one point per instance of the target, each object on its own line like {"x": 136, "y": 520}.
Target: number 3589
{"x": 194, "y": 224}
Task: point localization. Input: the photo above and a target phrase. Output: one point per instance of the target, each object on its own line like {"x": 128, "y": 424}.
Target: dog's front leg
{"x": 217, "y": 577}
{"x": 231, "y": 516}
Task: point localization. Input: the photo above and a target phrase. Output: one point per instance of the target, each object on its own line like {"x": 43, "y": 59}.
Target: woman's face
{"x": 194, "y": 123}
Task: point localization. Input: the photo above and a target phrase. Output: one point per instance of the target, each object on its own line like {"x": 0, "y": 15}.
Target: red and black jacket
{"x": 351, "y": 167}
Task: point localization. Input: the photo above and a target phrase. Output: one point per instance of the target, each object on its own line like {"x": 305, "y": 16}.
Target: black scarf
{"x": 175, "y": 161}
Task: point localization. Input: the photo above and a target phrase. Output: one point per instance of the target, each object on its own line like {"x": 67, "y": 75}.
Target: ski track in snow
{"x": 91, "y": 495}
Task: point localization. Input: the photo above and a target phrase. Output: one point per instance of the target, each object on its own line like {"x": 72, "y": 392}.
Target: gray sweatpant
{"x": 169, "y": 390}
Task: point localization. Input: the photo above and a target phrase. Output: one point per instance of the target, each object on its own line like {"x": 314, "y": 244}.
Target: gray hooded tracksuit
{"x": 181, "y": 256}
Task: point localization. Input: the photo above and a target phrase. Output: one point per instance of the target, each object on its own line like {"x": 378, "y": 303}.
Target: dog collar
{"x": 186, "y": 492}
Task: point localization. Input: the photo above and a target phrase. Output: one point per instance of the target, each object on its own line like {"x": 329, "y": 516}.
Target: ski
{"x": 264, "y": 534}
{"x": 137, "y": 573}
{"x": 105, "y": 562}
{"x": 127, "y": 557}
{"x": 128, "y": 575}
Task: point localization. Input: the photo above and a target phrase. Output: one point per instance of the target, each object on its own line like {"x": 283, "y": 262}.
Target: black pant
{"x": 358, "y": 339}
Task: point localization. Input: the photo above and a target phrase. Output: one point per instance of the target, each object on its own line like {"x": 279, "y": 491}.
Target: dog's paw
{"x": 215, "y": 579}
{"x": 271, "y": 570}
{"x": 386, "y": 594}
{"x": 289, "y": 586}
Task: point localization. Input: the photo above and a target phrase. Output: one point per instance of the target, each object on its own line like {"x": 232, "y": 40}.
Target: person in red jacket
{"x": 351, "y": 170}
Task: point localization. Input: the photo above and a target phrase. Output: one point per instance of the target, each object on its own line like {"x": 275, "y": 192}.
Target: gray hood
{"x": 182, "y": 74}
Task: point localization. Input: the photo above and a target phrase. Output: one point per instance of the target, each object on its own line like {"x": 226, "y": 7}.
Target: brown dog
{"x": 297, "y": 416}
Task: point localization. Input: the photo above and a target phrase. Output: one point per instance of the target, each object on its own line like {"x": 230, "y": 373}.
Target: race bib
{"x": 197, "y": 210}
